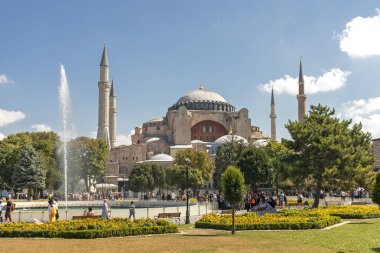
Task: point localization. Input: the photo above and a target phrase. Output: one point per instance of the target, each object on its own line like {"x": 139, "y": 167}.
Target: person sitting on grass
{"x": 90, "y": 212}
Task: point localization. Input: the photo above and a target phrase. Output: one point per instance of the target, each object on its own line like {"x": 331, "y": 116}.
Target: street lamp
{"x": 187, "y": 221}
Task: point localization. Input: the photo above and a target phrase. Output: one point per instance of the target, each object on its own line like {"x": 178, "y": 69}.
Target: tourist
{"x": 281, "y": 199}
{"x": 52, "y": 211}
{"x": 343, "y": 196}
{"x": 132, "y": 210}
{"x": 299, "y": 199}
{"x": 55, "y": 203}
{"x": 8, "y": 210}
{"x": 1, "y": 210}
{"x": 105, "y": 209}
{"x": 90, "y": 212}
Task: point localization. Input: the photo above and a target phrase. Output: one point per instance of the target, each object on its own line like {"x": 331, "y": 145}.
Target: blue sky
{"x": 160, "y": 50}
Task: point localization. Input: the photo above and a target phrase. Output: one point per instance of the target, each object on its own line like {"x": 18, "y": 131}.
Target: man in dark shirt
{"x": 8, "y": 210}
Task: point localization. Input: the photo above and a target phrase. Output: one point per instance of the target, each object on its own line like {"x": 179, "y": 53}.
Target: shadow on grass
{"x": 200, "y": 235}
{"x": 375, "y": 249}
{"x": 361, "y": 223}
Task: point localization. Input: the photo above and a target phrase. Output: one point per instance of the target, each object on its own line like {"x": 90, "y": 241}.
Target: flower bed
{"x": 87, "y": 228}
{"x": 281, "y": 220}
{"x": 352, "y": 212}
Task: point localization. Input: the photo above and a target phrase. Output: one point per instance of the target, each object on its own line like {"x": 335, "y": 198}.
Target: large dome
{"x": 202, "y": 99}
{"x": 201, "y": 95}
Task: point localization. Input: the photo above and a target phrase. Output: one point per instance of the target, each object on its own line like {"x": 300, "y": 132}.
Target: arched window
{"x": 123, "y": 170}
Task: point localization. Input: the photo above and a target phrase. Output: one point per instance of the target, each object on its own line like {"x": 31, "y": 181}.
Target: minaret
{"x": 272, "y": 117}
{"x": 112, "y": 114}
{"x": 104, "y": 91}
{"x": 301, "y": 97}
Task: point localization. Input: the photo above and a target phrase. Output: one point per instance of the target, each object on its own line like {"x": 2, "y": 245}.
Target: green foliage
{"x": 376, "y": 190}
{"x": 141, "y": 178}
{"x": 226, "y": 155}
{"x": 29, "y": 171}
{"x": 233, "y": 185}
{"x": 86, "y": 160}
{"x": 255, "y": 165}
{"x": 45, "y": 144}
{"x": 88, "y": 229}
{"x": 199, "y": 168}
{"x": 275, "y": 221}
{"x": 324, "y": 148}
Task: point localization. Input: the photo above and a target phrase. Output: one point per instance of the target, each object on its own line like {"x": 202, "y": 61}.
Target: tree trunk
{"x": 233, "y": 219}
{"x": 318, "y": 192}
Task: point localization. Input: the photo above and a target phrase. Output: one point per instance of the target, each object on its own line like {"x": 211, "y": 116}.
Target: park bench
{"x": 332, "y": 203}
{"x": 171, "y": 216}
{"x": 358, "y": 203}
{"x": 86, "y": 217}
{"x": 227, "y": 211}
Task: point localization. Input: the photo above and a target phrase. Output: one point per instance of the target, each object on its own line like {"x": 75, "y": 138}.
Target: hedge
{"x": 273, "y": 226}
{"x": 87, "y": 228}
{"x": 90, "y": 234}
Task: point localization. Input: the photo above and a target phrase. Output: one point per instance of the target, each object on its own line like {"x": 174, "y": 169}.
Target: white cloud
{"x": 121, "y": 139}
{"x": 125, "y": 139}
{"x": 92, "y": 134}
{"x": 365, "y": 111}
{"x": 8, "y": 117}
{"x": 5, "y": 79}
{"x": 41, "y": 128}
{"x": 361, "y": 37}
{"x": 329, "y": 81}
{"x": 2, "y": 136}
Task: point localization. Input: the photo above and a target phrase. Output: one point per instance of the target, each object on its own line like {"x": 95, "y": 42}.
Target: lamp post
{"x": 187, "y": 221}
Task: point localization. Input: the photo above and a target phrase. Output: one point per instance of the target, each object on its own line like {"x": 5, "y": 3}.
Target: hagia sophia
{"x": 200, "y": 119}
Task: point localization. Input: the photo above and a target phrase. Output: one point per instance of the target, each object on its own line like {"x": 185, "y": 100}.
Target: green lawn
{"x": 357, "y": 236}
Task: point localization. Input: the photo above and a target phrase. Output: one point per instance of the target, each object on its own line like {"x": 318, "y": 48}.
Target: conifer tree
{"x": 29, "y": 171}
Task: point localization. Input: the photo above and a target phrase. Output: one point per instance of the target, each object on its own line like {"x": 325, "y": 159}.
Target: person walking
{"x": 132, "y": 210}
{"x": 105, "y": 210}
{"x": 55, "y": 203}
{"x": 52, "y": 211}
{"x": 8, "y": 210}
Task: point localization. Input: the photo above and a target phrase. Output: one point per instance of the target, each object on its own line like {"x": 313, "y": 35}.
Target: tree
{"x": 44, "y": 143}
{"x": 198, "y": 164}
{"x": 159, "y": 176}
{"x": 255, "y": 165}
{"x": 227, "y": 154}
{"x": 29, "y": 172}
{"x": 277, "y": 152}
{"x": 141, "y": 178}
{"x": 86, "y": 160}
{"x": 325, "y": 147}
{"x": 376, "y": 190}
{"x": 176, "y": 177}
{"x": 233, "y": 188}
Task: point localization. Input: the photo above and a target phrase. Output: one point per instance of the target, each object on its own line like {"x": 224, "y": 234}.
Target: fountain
{"x": 64, "y": 99}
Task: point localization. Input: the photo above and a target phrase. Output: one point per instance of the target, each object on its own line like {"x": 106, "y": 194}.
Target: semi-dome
{"x": 162, "y": 158}
{"x": 222, "y": 140}
{"x": 202, "y": 99}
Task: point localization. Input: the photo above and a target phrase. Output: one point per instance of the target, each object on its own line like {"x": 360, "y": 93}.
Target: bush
{"x": 287, "y": 219}
{"x": 352, "y": 212}
{"x": 88, "y": 228}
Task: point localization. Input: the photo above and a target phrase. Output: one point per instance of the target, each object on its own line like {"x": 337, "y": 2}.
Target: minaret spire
{"x": 112, "y": 115}
{"x": 104, "y": 92}
{"x": 272, "y": 117}
{"x": 301, "y": 97}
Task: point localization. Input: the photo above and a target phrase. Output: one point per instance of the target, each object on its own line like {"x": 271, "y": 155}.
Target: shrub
{"x": 88, "y": 228}
{"x": 287, "y": 219}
